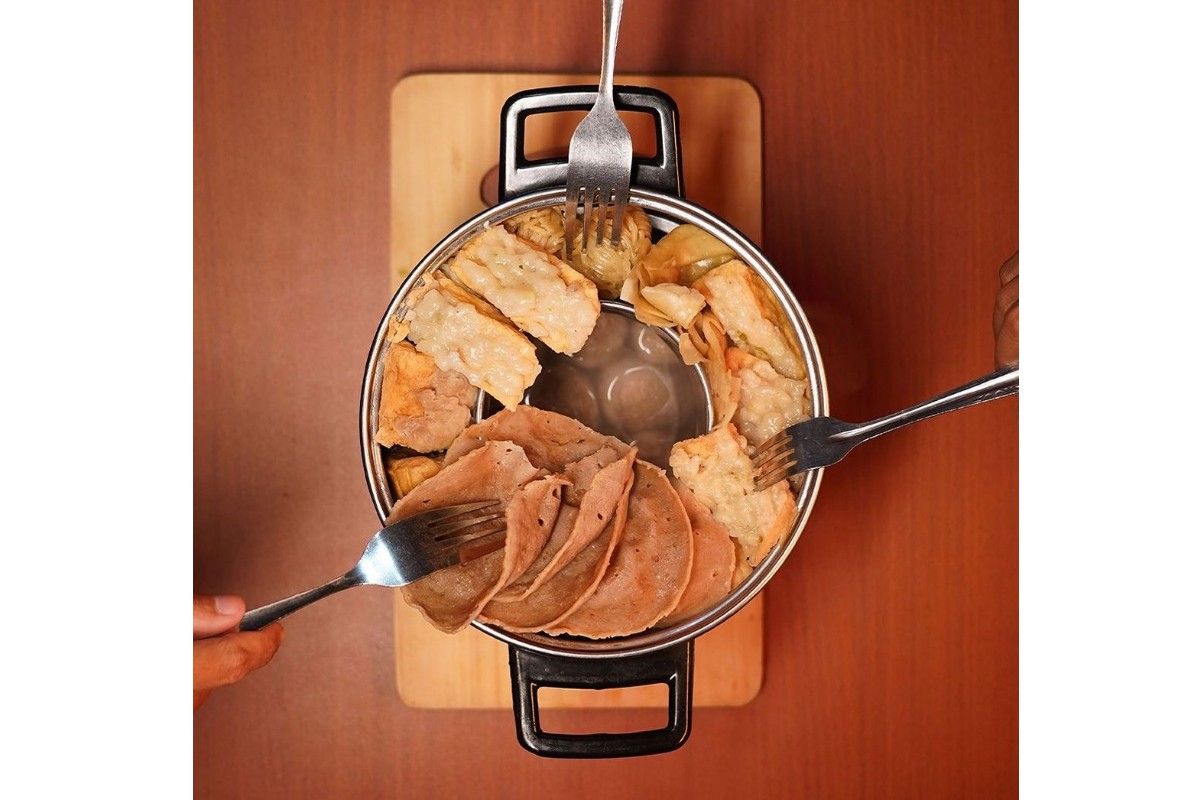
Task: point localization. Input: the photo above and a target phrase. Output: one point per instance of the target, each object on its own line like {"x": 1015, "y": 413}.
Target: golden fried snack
{"x": 421, "y": 407}
{"x": 751, "y": 316}
{"x": 405, "y": 474}
{"x": 464, "y": 334}
{"x": 713, "y": 560}
{"x": 717, "y": 468}
{"x": 769, "y": 402}
{"x": 543, "y": 227}
{"x": 540, "y": 293}
{"x": 608, "y": 266}
{"x": 704, "y": 343}
{"x": 679, "y": 258}
{"x": 452, "y": 597}
{"x": 649, "y": 569}
{"x": 676, "y": 303}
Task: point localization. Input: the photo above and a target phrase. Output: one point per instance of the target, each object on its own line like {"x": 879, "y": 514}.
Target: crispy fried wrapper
{"x": 678, "y": 259}
{"x": 465, "y": 334}
{"x": 717, "y": 468}
{"x": 704, "y": 343}
{"x": 541, "y": 294}
{"x": 543, "y": 227}
{"x": 769, "y": 401}
{"x": 408, "y": 472}
{"x": 606, "y": 265}
{"x": 752, "y": 317}
{"x": 421, "y": 406}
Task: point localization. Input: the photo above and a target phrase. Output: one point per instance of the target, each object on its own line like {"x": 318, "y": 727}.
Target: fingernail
{"x": 227, "y": 605}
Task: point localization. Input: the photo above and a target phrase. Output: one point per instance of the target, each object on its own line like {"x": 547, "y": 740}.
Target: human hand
{"x": 221, "y": 654}
{"x": 1005, "y": 314}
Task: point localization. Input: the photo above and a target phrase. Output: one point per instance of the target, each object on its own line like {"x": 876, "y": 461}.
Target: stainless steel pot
{"x": 655, "y": 656}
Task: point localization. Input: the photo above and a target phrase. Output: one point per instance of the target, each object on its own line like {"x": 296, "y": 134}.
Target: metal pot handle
{"x": 518, "y": 175}
{"x": 671, "y": 665}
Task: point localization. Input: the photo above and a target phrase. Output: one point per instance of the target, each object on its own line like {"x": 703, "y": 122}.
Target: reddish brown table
{"x": 891, "y": 199}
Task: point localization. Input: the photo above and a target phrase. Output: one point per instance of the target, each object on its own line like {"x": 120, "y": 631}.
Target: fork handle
{"x": 264, "y": 615}
{"x": 608, "y": 56}
{"x": 1000, "y": 383}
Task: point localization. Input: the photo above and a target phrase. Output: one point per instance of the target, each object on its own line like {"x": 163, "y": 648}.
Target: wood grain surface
{"x": 890, "y": 198}
{"x": 722, "y": 145}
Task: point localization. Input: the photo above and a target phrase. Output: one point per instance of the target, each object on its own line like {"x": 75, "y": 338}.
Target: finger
{"x": 1009, "y": 269}
{"x": 213, "y": 615}
{"x": 229, "y": 658}
{"x": 1008, "y": 338}
{"x": 198, "y": 697}
{"x": 1006, "y": 298}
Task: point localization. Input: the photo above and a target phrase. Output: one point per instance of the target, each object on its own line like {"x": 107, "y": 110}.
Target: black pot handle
{"x": 519, "y": 175}
{"x": 671, "y": 665}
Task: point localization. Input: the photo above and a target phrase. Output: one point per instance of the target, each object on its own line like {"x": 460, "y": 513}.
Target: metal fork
{"x": 601, "y": 155}
{"x": 405, "y": 552}
{"x": 823, "y": 441}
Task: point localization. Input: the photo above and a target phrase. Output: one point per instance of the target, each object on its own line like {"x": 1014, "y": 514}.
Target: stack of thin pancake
{"x": 598, "y": 543}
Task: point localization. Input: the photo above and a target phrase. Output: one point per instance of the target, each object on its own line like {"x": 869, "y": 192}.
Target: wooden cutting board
{"x": 444, "y": 145}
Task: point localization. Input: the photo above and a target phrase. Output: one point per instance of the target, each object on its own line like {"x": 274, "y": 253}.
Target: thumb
{"x": 213, "y": 615}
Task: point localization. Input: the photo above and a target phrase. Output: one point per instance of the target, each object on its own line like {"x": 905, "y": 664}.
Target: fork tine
{"x": 449, "y": 554}
{"x": 589, "y": 193}
{"x": 446, "y": 513}
{"x": 771, "y": 447}
{"x": 468, "y": 528}
{"x": 465, "y": 512}
{"x": 482, "y": 546}
{"x": 766, "y": 481}
{"x": 604, "y": 198}
{"x": 766, "y": 465}
{"x": 620, "y": 199}
{"x": 570, "y": 218}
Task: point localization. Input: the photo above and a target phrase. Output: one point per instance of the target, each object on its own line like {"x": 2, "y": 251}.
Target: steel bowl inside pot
{"x": 658, "y": 655}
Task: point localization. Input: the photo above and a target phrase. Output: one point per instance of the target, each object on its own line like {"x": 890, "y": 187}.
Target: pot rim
{"x": 674, "y": 211}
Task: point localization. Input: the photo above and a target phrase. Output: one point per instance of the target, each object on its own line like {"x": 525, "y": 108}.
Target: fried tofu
{"x": 421, "y": 406}
{"x": 406, "y": 474}
{"x": 751, "y": 317}
{"x": 539, "y": 292}
{"x": 767, "y": 402}
{"x": 717, "y": 468}
{"x": 464, "y": 334}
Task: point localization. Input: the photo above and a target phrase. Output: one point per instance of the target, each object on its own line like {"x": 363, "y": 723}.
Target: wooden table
{"x": 891, "y": 199}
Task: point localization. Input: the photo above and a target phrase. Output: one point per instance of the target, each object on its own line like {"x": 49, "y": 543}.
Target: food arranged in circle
{"x": 599, "y": 542}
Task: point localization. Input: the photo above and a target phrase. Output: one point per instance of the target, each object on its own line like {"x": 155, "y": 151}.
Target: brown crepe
{"x": 451, "y": 598}
{"x": 571, "y": 587}
{"x": 603, "y": 490}
{"x": 534, "y": 508}
{"x": 551, "y": 441}
{"x": 713, "y": 560}
{"x": 609, "y": 486}
{"x": 649, "y": 569}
